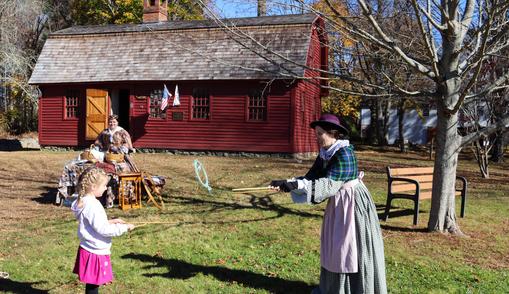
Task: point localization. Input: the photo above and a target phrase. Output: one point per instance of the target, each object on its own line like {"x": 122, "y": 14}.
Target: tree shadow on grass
{"x": 7, "y": 285}
{"x": 393, "y": 212}
{"x": 403, "y": 229}
{"x": 179, "y": 269}
{"x": 396, "y": 213}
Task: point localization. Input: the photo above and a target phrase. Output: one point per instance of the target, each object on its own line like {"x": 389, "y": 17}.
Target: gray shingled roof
{"x": 183, "y": 50}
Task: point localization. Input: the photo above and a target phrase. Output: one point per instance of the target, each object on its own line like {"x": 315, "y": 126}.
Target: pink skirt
{"x": 92, "y": 268}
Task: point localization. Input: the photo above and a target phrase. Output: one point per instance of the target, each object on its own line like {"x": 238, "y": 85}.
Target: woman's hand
{"x": 130, "y": 227}
{"x": 275, "y": 184}
{"x": 283, "y": 185}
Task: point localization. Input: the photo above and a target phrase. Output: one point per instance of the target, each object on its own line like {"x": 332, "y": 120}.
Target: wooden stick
{"x": 158, "y": 222}
{"x": 251, "y": 189}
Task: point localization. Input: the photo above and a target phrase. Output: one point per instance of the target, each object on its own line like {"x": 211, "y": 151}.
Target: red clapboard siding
{"x": 53, "y": 128}
{"x": 227, "y": 128}
{"x": 307, "y": 98}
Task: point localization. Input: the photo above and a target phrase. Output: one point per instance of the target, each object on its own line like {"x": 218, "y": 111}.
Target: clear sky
{"x": 229, "y": 9}
{"x": 236, "y": 8}
{"x": 246, "y": 8}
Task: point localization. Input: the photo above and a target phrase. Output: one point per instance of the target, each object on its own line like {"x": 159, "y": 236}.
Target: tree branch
{"x": 390, "y": 43}
{"x": 498, "y": 84}
{"x": 502, "y": 124}
{"x": 433, "y": 57}
{"x": 428, "y": 15}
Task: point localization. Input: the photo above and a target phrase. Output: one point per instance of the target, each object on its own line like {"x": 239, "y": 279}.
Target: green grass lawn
{"x": 247, "y": 243}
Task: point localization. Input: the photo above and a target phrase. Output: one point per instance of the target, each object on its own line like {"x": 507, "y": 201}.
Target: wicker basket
{"x": 114, "y": 157}
{"x": 86, "y": 154}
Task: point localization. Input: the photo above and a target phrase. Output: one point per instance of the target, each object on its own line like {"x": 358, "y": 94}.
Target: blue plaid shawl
{"x": 341, "y": 167}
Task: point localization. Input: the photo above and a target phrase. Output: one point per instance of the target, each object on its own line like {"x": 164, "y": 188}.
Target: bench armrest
{"x": 397, "y": 179}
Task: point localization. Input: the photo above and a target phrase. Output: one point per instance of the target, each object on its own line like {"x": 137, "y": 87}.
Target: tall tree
{"x": 22, "y": 25}
{"x": 458, "y": 37}
{"x": 455, "y": 39}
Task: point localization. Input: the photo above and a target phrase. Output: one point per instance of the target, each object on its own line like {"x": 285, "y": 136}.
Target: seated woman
{"x": 114, "y": 138}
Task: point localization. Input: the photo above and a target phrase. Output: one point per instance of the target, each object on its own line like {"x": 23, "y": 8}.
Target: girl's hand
{"x": 130, "y": 227}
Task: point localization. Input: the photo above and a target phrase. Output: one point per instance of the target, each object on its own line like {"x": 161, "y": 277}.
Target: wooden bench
{"x": 416, "y": 183}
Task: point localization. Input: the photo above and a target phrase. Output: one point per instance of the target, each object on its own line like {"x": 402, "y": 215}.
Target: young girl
{"x": 93, "y": 265}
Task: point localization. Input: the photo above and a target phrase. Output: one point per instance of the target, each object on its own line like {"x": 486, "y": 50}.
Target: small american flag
{"x": 166, "y": 96}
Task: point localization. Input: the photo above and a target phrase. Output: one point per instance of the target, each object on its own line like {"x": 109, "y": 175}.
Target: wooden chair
{"x": 416, "y": 183}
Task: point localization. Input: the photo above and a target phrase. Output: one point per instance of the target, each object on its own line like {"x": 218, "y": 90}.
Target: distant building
{"x": 415, "y": 128}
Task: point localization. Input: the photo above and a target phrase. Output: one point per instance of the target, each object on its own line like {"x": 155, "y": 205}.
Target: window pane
{"x": 72, "y": 104}
{"x": 201, "y": 102}
{"x": 257, "y": 108}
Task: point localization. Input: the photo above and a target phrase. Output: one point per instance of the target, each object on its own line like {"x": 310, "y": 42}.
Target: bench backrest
{"x": 424, "y": 175}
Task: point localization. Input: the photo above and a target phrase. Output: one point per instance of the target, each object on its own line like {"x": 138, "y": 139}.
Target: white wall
{"x": 414, "y": 128}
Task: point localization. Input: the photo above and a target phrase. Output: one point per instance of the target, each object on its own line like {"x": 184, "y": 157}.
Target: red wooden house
{"x": 249, "y": 88}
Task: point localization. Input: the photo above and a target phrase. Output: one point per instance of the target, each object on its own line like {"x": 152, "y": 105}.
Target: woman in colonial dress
{"x": 351, "y": 247}
{"x": 114, "y": 138}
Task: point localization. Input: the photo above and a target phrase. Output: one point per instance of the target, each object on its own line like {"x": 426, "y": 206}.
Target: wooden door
{"x": 97, "y": 113}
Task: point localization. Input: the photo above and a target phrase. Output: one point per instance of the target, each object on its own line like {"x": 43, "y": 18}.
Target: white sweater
{"x": 94, "y": 230}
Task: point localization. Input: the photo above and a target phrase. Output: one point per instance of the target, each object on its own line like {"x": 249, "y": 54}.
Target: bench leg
{"x": 387, "y": 207}
{"x": 463, "y": 200}
{"x": 416, "y": 213}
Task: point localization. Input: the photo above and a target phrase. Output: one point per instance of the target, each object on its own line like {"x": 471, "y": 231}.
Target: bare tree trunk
{"x": 262, "y": 7}
{"x": 387, "y": 114}
{"x": 443, "y": 215}
{"x": 373, "y": 131}
{"x": 401, "y": 119}
{"x": 481, "y": 155}
{"x": 380, "y": 123}
{"x": 498, "y": 150}
{"x": 448, "y": 141}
